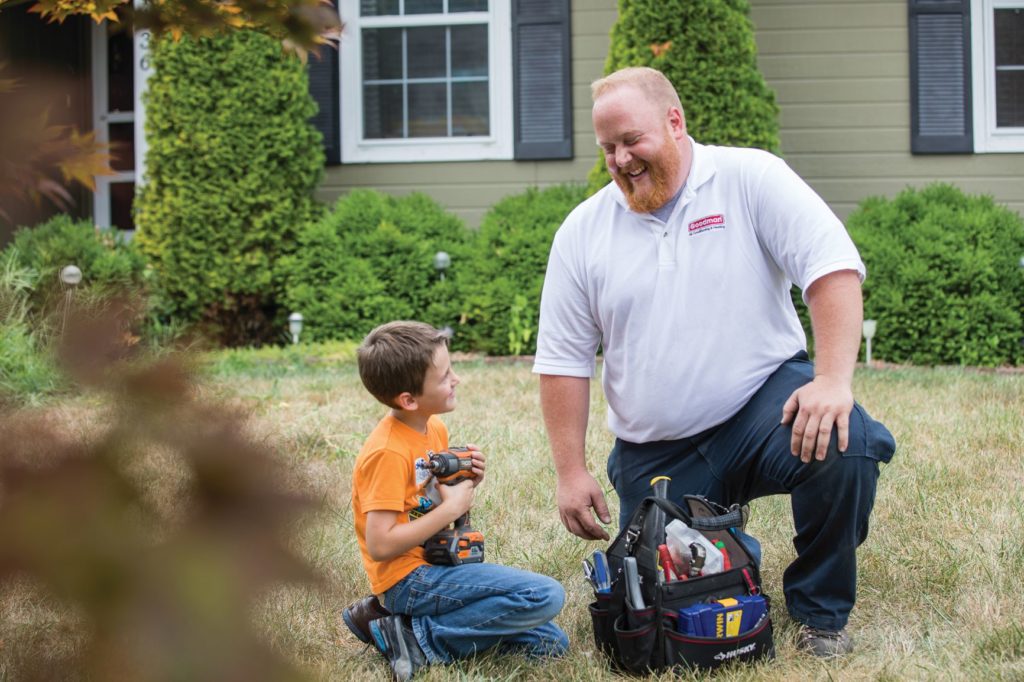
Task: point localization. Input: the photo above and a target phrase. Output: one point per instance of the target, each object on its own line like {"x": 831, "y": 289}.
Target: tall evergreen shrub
{"x": 231, "y": 167}
{"x": 706, "y": 48}
{"x": 944, "y": 277}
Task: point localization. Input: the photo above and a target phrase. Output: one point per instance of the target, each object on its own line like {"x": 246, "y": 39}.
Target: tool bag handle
{"x": 625, "y": 544}
{"x": 723, "y": 520}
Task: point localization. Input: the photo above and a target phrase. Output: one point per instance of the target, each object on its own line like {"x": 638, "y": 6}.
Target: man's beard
{"x": 662, "y": 170}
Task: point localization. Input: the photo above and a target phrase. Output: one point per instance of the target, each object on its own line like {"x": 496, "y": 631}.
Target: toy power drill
{"x": 459, "y": 544}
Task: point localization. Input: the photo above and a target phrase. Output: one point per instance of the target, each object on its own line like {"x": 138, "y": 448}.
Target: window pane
{"x": 428, "y": 110}
{"x": 470, "y": 110}
{"x": 424, "y": 7}
{"x": 469, "y": 50}
{"x": 426, "y": 52}
{"x": 1009, "y": 31}
{"x": 120, "y": 70}
{"x": 382, "y": 53}
{"x": 1009, "y": 51}
{"x": 122, "y": 142}
{"x": 121, "y": 196}
{"x": 467, "y": 5}
{"x": 1009, "y": 99}
{"x": 375, "y": 8}
{"x": 382, "y": 111}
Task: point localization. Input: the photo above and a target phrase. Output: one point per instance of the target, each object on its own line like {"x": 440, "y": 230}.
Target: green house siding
{"x": 840, "y": 70}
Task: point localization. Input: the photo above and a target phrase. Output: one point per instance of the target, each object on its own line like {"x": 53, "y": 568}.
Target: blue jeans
{"x": 749, "y": 457}
{"x": 458, "y": 611}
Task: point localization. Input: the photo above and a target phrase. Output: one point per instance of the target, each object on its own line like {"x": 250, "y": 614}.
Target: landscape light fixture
{"x": 70, "y": 277}
{"x": 869, "y": 332}
{"x": 295, "y": 326}
{"x": 441, "y": 262}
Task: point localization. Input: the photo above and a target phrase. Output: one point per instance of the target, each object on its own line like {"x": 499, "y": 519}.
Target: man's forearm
{"x": 565, "y": 403}
{"x": 837, "y": 314}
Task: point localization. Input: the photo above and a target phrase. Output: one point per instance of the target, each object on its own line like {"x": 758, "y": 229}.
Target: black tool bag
{"x": 641, "y": 641}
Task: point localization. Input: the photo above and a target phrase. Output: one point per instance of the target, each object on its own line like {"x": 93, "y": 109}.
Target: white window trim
{"x": 499, "y": 145}
{"x": 987, "y": 137}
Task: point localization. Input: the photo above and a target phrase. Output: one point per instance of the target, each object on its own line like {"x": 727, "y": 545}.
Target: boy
{"x": 440, "y": 613}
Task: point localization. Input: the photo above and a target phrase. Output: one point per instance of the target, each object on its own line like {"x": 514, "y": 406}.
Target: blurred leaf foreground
{"x": 160, "y": 580}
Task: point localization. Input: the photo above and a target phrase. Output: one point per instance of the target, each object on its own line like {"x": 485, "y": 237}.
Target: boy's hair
{"x": 394, "y": 358}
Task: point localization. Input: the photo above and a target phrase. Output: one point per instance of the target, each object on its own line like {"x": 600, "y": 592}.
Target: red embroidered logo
{"x": 711, "y": 222}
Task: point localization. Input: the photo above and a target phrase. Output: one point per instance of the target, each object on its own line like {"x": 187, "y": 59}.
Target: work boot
{"x": 357, "y": 616}
{"x": 824, "y": 643}
{"x": 395, "y": 639}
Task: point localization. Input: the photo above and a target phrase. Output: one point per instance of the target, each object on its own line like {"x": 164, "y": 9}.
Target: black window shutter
{"x": 542, "y": 82}
{"x": 323, "y": 86}
{"x": 940, "y": 77}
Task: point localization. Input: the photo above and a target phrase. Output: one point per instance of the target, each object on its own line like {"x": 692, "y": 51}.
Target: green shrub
{"x": 109, "y": 264}
{"x": 707, "y": 49}
{"x": 231, "y": 167}
{"x": 371, "y": 260}
{"x": 944, "y": 280}
{"x": 506, "y": 273}
{"x": 26, "y": 372}
{"x": 31, "y": 294}
{"x": 16, "y": 283}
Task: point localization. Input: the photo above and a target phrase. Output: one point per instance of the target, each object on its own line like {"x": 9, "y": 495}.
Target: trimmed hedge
{"x": 944, "y": 277}
{"x": 371, "y": 260}
{"x": 506, "y": 274}
{"x": 230, "y": 172}
{"x": 707, "y": 49}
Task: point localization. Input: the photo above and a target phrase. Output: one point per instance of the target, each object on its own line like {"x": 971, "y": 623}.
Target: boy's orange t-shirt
{"x": 386, "y": 479}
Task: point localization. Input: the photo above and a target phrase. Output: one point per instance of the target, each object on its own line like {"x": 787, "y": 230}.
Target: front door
{"x": 114, "y": 104}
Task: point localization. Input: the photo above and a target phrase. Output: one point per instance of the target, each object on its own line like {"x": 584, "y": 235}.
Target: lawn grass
{"x": 939, "y": 573}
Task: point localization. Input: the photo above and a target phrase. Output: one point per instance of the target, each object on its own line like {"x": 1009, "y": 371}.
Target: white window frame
{"x": 497, "y": 145}
{"x": 987, "y": 137}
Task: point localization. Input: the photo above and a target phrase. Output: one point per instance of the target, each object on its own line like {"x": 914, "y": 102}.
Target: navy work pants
{"x": 748, "y": 457}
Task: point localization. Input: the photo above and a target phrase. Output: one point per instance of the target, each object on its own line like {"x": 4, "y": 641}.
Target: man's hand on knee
{"x": 577, "y": 495}
{"x": 814, "y": 409}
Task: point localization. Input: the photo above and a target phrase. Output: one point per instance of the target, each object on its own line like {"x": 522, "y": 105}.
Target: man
{"x": 680, "y": 271}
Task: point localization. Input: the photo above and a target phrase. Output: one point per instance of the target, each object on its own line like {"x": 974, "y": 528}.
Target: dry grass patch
{"x": 939, "y": 573}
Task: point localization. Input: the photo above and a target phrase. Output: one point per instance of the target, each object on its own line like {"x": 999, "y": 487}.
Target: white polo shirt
{"x": 692, "y": 315}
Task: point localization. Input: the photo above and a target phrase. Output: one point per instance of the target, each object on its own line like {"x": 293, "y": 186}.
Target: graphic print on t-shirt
{"x": 427, "y": 496}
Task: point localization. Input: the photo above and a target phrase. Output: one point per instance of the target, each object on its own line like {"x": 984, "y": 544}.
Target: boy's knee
{"x": 548, "y": 597}
{"x": 554, "y": 596}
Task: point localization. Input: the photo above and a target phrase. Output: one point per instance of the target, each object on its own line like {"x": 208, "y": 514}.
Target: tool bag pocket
{"x": 602, "y": 620}
{"x": 648, "y": 639}
{"x": 636, "y": 637}
{"x": 711, "y": 652}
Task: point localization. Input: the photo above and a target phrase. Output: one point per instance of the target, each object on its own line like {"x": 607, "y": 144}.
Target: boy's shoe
{"x": 357, "y": 616}
{"x": 395, "y": 639}
{"x": 824, "y": 643}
